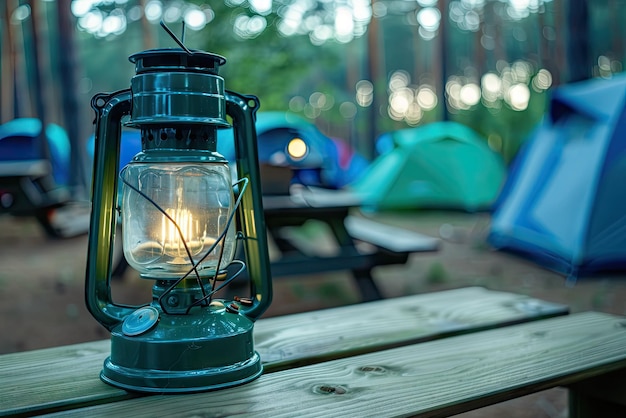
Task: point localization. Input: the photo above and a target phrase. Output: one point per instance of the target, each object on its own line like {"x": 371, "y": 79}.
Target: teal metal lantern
{"x": 181, "y": 220}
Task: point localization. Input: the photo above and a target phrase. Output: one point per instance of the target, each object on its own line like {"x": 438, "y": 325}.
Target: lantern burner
{"x": 195, "y": 137}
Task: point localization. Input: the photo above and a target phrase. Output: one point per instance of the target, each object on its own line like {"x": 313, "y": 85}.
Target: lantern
{"x": 181, "y": 220}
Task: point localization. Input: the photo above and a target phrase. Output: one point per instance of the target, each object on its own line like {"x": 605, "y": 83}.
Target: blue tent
{"x": 564, "y": 203}
{"x": 35, "y": 177}
{"x": 328, "y": 162}
{"x": 20, "y": 141}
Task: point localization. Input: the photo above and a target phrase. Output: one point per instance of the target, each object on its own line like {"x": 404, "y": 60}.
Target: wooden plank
{"x": 54, "y": 378}
{"x": 389, "y": 237}
{"x": 339, "y": 332}
{"x": 67, "y": 377}
{"x": 27, "y": 168}
{"x": 434, "y": 379}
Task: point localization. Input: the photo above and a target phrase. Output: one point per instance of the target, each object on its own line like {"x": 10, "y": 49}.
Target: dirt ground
{"x": 42, "y": 288}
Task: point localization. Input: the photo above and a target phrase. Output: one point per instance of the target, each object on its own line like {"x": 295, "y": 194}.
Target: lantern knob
{"x": 140, "y": 321}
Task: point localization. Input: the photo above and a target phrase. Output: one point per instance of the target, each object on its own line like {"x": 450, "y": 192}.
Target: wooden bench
{"x": 426, "y": 355}
{"x": 67, "y": 377}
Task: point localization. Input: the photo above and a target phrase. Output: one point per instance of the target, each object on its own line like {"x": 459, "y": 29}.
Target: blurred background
{"x": 355, "y": 68}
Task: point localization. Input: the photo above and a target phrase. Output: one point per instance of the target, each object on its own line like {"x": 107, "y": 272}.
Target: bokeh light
{"x": 249, "y": 27}
{"x": 408, "y": 102}
{"x": 518, "y": 96}
{"x": 297, "y": 149}
{"x": 470, "y": 94}
{"x": 364, "y": 93}
{"x": 347, "y": 110}
{"x": 340, "y": 20}
{"x": 108, "y": 19}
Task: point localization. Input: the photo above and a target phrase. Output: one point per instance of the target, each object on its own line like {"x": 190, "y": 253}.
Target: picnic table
{"x": 434, "y": 354}
{"x": 384, "y": 244}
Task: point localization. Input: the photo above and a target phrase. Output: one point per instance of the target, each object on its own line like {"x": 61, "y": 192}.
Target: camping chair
{"x": 34, "y": 174}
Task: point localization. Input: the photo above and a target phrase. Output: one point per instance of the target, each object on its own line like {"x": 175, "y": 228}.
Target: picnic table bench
{"x": 433, "y": 354}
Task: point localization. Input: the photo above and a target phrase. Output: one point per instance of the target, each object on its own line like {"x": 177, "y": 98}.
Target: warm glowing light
{"x": 181, "y": 229}
{"x": 297, "y": 149}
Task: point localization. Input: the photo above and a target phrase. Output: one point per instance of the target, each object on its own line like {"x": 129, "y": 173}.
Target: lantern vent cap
{"x": 176, "y": 59}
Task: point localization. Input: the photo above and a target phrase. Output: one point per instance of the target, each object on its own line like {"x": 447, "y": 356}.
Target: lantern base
{"x": 206, "y": 350}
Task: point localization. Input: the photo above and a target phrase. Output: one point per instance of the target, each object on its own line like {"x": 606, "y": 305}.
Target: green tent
{"x": 442, "y": 165}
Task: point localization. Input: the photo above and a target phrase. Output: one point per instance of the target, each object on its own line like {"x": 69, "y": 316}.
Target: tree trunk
{"x": 146, "y": 27}
{"x": 442, "y": 59}
{"x": 373, "y": 74}
{"x": 72, "y": 112}
{"x": 7, "y": 66}
{"x": 36, "y": 53}
{"x": 579, "y": 63}
{"x": 20, "y": 93}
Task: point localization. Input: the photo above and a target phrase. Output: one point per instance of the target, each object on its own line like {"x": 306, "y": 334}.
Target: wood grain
{"x": 338, "y": 332}
{"x": 68, "y": 377}
{"x": 436, "y": 378}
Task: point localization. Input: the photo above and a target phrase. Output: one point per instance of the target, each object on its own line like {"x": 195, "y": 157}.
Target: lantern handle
{"x": 180, "y": 43}
{"x": 110, "y": 109}
{"x": 242, "y": 109}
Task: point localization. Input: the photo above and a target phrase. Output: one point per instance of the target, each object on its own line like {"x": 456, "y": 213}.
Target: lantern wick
{"x": 175, "y": 38}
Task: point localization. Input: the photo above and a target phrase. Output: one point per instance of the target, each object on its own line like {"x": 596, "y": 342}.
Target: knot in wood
{"x": 372, "y": 369}
{"x": 328, "y": 389}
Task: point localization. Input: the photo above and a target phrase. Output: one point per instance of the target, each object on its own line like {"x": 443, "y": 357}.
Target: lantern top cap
{"x": 176, "y": 59}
